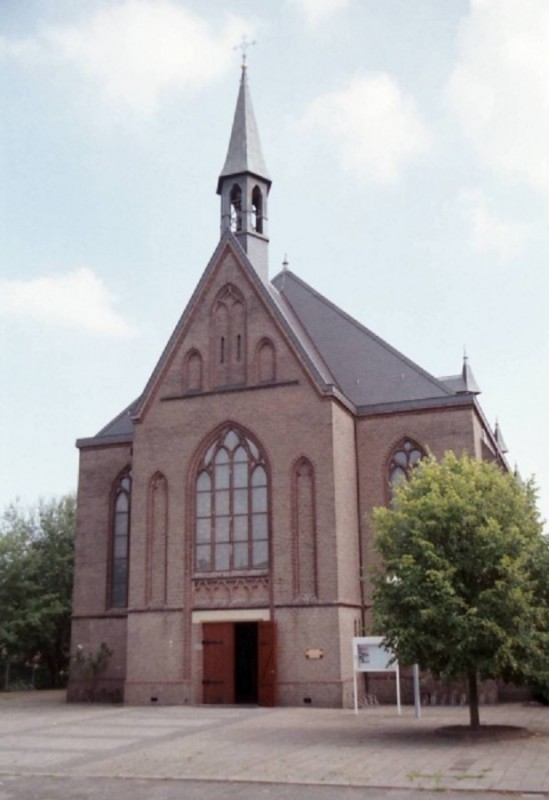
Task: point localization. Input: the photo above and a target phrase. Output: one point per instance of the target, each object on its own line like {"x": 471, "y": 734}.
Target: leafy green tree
{"x": 464, "y": 588}
{"x": 36, "y": 570}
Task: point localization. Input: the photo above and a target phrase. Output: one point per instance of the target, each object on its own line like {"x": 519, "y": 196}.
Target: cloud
{"x": 77, "y": 299}
{"x": 375, "y": 125}
{"x": 490, "y": 233}
{"x": 498, "y": 89}
{"x": 318, "y": 11}
{"x": 136, "y": 51}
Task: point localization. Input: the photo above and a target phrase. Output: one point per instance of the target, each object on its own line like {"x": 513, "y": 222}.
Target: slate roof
{"x": 367, "y": 370}
{"x": 244, "y": 153}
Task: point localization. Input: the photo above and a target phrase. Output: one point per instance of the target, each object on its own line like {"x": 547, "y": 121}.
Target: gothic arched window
{"x": 232, "y": 497}
{"x": 192, "y": 379}
{"x": 404, "y": 458}
{"x": 236, "y": 209}
{"x": 266, "y": 362}
{"x": 157, "y": 540}
{"x": 304, "y": 530}
{"x": 257, "y": 210}
{"x": 120, "y": 542}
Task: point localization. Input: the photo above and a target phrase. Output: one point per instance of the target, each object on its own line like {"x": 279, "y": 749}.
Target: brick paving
{"x": 40, "y": 734}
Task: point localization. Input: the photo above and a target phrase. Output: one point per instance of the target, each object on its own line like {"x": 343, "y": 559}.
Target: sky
{"x": 408, "y": 147}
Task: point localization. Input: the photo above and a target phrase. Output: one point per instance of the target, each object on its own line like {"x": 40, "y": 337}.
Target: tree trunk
{"x": 473, "y": 699}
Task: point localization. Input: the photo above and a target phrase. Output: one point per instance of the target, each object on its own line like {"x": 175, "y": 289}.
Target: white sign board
{"x": 370, "y": 655}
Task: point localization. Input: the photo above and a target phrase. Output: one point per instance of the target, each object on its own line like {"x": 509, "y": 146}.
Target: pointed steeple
{"x": 244, "y": 153}
{"x": 469, "y": 381}
{"x": 244, "y": 182}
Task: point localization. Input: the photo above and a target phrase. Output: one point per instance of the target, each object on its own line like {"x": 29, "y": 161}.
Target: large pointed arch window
{"x": 404, "y": 458}
{"x": 232, "y": 500}
{"x": 120, "y": 542}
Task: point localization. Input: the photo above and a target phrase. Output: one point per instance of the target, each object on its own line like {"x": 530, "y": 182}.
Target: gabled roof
{"x": 343, "y": 358}
{"x": 244, "y": 153}
{"x": 367, "y": 370}
{"x": 283, "y": 315}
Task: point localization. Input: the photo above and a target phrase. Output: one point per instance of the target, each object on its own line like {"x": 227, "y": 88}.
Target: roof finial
{"x": 244, "y": 44}
{"x": 285, "y": 263}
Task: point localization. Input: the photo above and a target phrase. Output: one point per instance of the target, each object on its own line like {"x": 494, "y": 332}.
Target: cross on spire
{"x": 244, "y": 44}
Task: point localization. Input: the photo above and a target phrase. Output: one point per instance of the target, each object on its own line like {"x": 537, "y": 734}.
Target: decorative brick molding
{"x": 231, "y": 592}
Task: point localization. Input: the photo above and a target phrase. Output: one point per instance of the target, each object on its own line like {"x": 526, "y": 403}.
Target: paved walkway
{"x": 40, "y": 734}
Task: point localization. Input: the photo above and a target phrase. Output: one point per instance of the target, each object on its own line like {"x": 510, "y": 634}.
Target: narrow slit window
{"x": 236, "y": 209}
{"x": 257, "y": 210}
{"x": 118, "y": 590}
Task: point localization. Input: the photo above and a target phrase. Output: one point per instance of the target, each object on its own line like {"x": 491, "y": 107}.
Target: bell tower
{"x": 244, "y": 183}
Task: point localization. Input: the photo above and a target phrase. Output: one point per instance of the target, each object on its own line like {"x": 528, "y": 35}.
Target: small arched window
{"x": 236, "y": 209}
{"x": 193, "y": 372}
{"x": 232, "y": 506}
{"x": 266, "y": 362}
{"x": 120, "y": 542}
{"x": 257, "y": 210}
{"x": 404, "y": 458}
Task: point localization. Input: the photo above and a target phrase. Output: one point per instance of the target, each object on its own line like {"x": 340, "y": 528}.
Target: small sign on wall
{"x": 314, "y": 653}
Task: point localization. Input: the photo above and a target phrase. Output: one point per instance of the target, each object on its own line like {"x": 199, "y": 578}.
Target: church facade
{"x": 223, "y": 517}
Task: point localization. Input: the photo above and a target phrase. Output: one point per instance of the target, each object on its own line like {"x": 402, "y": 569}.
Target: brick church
{"x": 223, "y": 517}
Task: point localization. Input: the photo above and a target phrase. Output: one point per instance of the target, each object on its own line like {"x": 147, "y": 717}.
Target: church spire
{"x": 244, "y": 182}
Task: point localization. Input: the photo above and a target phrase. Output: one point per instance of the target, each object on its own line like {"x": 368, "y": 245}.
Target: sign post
{"x": 417, "y": 696}
{"x": 370, "y": 655}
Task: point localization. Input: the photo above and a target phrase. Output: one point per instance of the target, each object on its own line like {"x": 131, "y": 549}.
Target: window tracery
{"x": 404, "y": 458}
{"x": 232, "y": 506}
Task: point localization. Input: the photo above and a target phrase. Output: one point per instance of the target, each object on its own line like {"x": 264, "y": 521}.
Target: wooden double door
{"x": 239, "y": 662}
